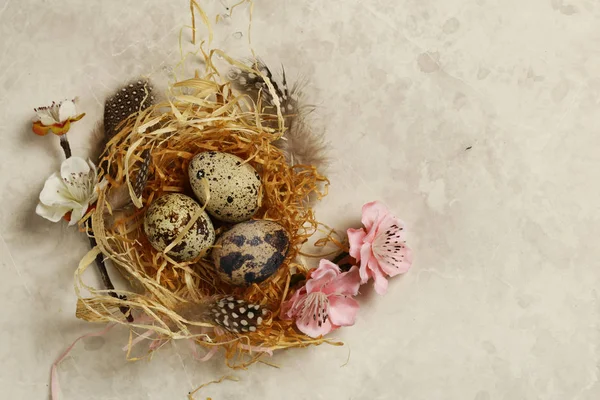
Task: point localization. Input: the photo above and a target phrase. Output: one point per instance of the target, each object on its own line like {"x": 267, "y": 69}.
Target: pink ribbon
{"x": 138, "y": 339}
{"x": 54, "y": 384}
{"x": 207, "y": 356}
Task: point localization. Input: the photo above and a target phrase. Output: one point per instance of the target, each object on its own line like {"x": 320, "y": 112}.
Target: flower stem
{"x": 64, "y": 143}
{"x": 344, "y": 261}
{"x": 106, "y": 278}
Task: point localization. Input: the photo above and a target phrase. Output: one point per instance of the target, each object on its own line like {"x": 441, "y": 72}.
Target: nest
{"x": 201, "y": 114}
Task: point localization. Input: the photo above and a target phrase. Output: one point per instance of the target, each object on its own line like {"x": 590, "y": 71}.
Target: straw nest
{"x": 200, "y": 114}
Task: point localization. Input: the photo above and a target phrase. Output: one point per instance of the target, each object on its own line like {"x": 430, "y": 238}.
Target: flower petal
{"x": 395, "y": 225}
{"x": 325, "y": 266}
{"x": 290, "y": 308}
{"x": 311, "y": 327}
{"x": 380, "y": 281}
{"x": 51, "y": 213}
{"x": 67, "y": 110}
{"x": 373, "y": 213}
{"x": 73, "y": 166}
{"x": 346, "y": 283}
{"x": 365, "y": 256}
{"x": 78, "y": 213}
{"x": 45, "y": 116}
{"x": 40, "y": 129}
{"x": 79, "y": 179}
{"x": 402, "y": 263}
{"x": 99, "y": 186}
{"x": 92, "y": 168}
{"x": 77, "y": 117}
{"x": 55, "y": 193}
{"x": 61, "y": 129}
{"x": 356, "y": 240}
{"x": 321, "y": 276}
{"x": 342, "y": 310}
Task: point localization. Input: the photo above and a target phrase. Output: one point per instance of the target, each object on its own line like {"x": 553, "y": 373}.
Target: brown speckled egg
{"x": 166, "y": 218}
{"x": 250, "y": 252}
{"x": 233, "y": 185}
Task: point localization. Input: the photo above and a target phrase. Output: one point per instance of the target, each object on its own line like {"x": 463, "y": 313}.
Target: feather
{"x": 232, "y": 314}
{"x": 129, "y": 99}
{"x": 300, "y": 143}
{"x": 119, "y": 197}
{"x": 98, "y": 143}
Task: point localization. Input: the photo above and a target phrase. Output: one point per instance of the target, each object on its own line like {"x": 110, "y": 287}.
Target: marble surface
{"x": 475, "y": 121}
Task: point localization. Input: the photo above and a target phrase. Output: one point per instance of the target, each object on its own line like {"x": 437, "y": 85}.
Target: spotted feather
{"x": 237, "y": 316}
{"x": 131, "y": 98}
{"x": 119, "y": 197}
{"x": 142, "y": 175}
{"x": 300, "y": 143}
{"x": 230, "y": 313}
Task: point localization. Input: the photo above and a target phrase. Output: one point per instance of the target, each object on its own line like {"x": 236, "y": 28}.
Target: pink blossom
{"x": 380, "y": 246}
{"x": 325, "y": 302}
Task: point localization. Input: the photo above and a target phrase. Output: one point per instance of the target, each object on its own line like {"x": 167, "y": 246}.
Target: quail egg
{"x": 166, "y": 218}
{"x": 233, "y": 185}
{"x": 250, "y": 252}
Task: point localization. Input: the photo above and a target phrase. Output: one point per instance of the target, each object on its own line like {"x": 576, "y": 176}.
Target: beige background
{"x": 502, "y": 301}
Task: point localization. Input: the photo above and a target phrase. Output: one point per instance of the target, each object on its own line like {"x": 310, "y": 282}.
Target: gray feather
{"x": 300, "y": 143}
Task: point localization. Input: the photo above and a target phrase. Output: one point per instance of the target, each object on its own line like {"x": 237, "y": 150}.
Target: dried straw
{"x": 201, "y": 114}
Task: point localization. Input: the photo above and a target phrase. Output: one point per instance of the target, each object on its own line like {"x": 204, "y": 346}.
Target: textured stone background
{"x": 502, "y": 301}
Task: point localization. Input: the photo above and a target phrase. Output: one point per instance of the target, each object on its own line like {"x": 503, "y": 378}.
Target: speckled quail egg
{"x": 250, "y": 252}
{"x": 233, "y": 185}
{"x": 166, "y": 218}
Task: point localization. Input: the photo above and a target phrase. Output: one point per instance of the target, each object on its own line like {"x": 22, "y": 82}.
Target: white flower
{"x": 73, "y": 190}
{"x": 56, "y": 118}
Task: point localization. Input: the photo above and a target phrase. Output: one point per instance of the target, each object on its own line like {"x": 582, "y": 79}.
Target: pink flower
{"x": 380, "y": 246}
{"x": 324, "y": 303}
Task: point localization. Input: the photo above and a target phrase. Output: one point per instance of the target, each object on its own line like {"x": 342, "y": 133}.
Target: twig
{"x": 343, "y": 256}
{"x": 228, "y": 377}
{"x": 64, "y": 143}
